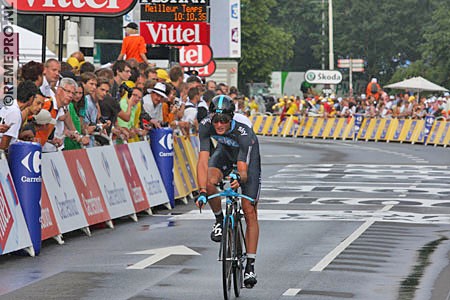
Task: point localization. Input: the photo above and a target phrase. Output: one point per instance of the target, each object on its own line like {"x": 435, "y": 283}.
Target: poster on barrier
{"x": 195, "y": 142}
{"x": 358, "y": 122}
{"x": 62, "y": 193}
{"x": 429, "y": 121}
{"x": 49, "y": 226}
{"x": 111, "y": 181}
{"x": 184, "y": 158}
{"x": 13, "y": 229}
{"x": 87, "y": 187}
{"x": 148, "y": 172}
{"x": 134, "y": 184}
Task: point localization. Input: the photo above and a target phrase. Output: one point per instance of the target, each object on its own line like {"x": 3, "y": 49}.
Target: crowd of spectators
{"x": 73, "y": 104}
{"x": 374, "y": 103}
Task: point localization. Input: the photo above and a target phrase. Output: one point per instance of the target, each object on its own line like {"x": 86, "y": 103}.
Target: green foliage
{"x": 264, "y": 47}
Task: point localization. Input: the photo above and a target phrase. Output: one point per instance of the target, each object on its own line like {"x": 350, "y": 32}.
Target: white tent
{"x": 418, "y": 84}
{"x": 30, "y": 46}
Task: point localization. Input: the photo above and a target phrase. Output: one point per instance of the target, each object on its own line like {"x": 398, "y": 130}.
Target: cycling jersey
{"x": 238, "y": 144}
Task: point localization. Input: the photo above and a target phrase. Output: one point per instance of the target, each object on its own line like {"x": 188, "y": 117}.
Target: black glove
{"x": 235, "y": 176}
{"x": 202, "y": 199}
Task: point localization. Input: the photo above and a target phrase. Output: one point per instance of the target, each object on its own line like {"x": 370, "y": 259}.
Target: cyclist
{"x": 238, "y": 145}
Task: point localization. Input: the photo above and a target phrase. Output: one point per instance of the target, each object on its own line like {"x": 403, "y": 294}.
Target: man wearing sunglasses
{"x": 238, "y": 145}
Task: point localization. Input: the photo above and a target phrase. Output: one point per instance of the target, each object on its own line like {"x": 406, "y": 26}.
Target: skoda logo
{"x": 310, "y": 76}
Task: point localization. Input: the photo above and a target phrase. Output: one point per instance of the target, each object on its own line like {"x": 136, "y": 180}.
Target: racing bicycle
{"x": 232, "y": 247}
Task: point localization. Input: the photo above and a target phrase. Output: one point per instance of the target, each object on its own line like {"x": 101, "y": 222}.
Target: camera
{"x": 125, "y": 88}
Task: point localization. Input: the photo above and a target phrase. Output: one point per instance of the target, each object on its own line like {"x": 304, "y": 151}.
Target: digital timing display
{"x": 174, "y": 12}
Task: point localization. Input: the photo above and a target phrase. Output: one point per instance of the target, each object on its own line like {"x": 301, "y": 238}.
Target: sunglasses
{"x": 222, "y": 118}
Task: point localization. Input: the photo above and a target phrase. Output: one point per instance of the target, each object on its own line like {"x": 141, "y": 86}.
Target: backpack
{"x": 373, "y": 88}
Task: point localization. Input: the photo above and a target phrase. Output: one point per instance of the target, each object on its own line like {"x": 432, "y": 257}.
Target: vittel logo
{"x": 174, "y": 33}
{"x": 78, "y": 7}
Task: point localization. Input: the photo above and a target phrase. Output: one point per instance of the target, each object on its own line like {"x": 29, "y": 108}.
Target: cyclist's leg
{"x": 219, "y": 161}
{"x": 252, "y": 188}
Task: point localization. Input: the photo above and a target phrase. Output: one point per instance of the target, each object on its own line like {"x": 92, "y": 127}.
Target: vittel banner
{"x": 175, "y": 33}
{"x": 77, "y": 7}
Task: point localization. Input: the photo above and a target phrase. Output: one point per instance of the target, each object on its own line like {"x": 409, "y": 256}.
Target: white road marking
{"x": 291, "y": 292}
{"x": 332, "y": 215}
{"x": 347, "y": 242}
{"x": 160, "y": 254}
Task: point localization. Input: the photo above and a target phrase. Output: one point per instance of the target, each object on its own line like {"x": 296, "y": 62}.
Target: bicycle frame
{"x": 232, "y": 248}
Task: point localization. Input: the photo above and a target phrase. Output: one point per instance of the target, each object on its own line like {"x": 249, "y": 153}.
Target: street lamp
{"x": 330, "y": 33}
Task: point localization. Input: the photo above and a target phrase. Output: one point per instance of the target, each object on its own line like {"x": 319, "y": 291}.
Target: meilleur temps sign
{"x": 73, "y": 7}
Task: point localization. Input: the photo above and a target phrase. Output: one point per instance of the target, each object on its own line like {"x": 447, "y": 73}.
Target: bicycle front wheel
{"x": 238, "y": 265}
{"x": 227, "y": 259}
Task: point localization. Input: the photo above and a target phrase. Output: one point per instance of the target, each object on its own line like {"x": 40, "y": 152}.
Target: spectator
{"x": 133, "y": 45}
{"x": 150, "y": 73}
{"x": 176, "y": 77}
{"x": 373, "y": 89}
{"x": 11, "y": 117}
{"x": 122, "y": 72}
{"x": 52, "y": 69}
{"x": 152, "y": 102}
{"x": 33, "y": 71}
{"x": 42, "y": 122}
{"x": 211, "y": 85}
{"x": 91, "y": 111}
{"x": 87, "y": 67}
{"x": 76, "y": 106}
{"x": 78, "y": 55}
{"x": 162, "y": 76}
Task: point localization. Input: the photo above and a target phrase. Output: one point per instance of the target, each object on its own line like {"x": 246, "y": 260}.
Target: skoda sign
{"x": 323, "y": 77}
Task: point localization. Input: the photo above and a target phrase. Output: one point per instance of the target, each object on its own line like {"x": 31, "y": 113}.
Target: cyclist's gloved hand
{"x": 201, "y": 199}
{"x": 235, "y": 180}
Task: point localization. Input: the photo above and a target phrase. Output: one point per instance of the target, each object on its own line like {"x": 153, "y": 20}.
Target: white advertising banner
{"x": 235, "y": 29}
{"x": 148, "y": 173}
{"x": 226, "y": 28}
{"x": 111, "y": 181}
{"x": 62, "y": 193}
{"x": 13, "y": 229}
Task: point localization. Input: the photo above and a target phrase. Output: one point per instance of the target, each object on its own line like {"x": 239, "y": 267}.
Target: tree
{"x": 264, "y": 47}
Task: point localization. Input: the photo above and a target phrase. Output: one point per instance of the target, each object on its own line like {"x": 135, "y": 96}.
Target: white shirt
{"x": 46, "y": 89}
{"x": 12, "y": 116}
{"x": 154, "y": 111}
{"x": 59, "y": 127}
{"x": 190, "y": 112}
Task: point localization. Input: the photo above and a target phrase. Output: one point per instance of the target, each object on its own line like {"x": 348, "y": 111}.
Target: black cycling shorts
{"x": 224, "y": 158}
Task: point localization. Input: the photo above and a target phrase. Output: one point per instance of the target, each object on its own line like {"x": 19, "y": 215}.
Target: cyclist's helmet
{"x": 222, "y": 104}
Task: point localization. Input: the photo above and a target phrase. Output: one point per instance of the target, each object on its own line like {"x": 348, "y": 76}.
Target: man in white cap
{"x": 152, "y": 102}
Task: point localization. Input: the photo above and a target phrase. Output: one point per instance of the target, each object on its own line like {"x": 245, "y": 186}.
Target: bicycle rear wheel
{"x": 238, "y": 265}
{"x": 227, "y": 259}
